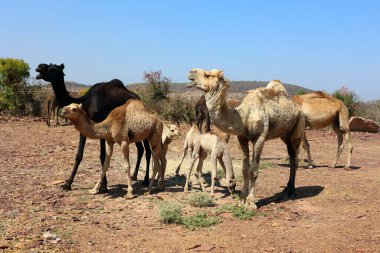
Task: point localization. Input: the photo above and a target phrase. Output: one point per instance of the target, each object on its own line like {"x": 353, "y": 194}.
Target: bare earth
{"x": 335, "y": 211}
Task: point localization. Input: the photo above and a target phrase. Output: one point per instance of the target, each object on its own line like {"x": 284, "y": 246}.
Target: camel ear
{"x": 221, "y": 74}
{"x": 80, "y": 105}
{"x": 62, "y": 66}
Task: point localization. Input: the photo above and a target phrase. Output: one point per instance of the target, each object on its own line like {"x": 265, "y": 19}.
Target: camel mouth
{"x": 39, "y": 76}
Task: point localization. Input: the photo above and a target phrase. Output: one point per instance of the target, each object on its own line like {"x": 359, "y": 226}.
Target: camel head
{"x": 173, "y": 131}
{"x": 50, "y": 73}
{"x": 207, "y": 80}
{"x": 73, "y": 112}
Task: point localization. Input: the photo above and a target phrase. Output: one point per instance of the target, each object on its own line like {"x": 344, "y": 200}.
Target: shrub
{"x": 200, "y": 199}
{"x": 349, "y": 98}
{"x": 199, "y": 220}
{"x": 170, "y": 212}
{"x": 240, "y": 212}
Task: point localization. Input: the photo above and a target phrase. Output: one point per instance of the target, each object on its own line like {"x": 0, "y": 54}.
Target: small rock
{"x": 4, "y": 246}
{"x": 205, "y": 248}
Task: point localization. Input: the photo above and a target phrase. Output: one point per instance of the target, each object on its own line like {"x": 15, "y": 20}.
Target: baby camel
{"x": 188, "y": 145}
{"x": 210, "y": 143}
{"x": 126, "y": 124}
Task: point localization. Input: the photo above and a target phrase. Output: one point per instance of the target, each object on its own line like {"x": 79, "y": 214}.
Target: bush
{"x": 349, "y": 98}
{"x": 240, "y": 212}
{"x": 199, "y": 220}
{"x": 170, "y": 212}
{"x": 200, "y": 199}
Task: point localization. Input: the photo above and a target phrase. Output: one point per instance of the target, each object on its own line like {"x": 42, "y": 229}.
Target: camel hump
{"x": 277, "y": 86}
{"x": 117, "y": 82}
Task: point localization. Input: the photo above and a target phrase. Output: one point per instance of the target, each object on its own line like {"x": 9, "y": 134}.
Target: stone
{"x": 360, "y": 124}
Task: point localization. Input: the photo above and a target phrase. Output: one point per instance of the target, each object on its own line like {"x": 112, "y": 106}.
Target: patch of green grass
{"x": 240, "y": 212}
{"x": 169, "y": 212}
{"x": 265, "y": 165}
{"x": 220, "y": 174}
{"x": 200, "y": 199}
{"x": 199, "y": 220}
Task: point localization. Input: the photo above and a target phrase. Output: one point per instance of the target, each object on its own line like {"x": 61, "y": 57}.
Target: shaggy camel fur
{"x": 52, "y": 107}
{"x": 322, "y": 110}
{"x": 126, "y": 124}
{"x": 202, "y": 114}
{"x": 210, "y": 143}
{"x": 264, "y": 114}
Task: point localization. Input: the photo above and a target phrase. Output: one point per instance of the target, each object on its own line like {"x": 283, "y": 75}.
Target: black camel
{"x": 98, "y": 102}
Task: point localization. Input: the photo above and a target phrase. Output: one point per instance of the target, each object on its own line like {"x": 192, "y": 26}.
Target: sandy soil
{"x": 335, "y": 211}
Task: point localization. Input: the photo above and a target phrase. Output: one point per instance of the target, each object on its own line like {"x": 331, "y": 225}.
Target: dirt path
{"x": 336, "y": 210}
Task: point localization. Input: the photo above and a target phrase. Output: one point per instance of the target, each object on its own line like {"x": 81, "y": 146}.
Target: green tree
{"x": 159, "y": 87}
{"x": 349, "y": 98}
{"x": 15, "y": 98}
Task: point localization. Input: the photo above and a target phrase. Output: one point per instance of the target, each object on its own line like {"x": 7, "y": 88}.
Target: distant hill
{"x": 237, "y": 90}
{"x": 70, "y": 85}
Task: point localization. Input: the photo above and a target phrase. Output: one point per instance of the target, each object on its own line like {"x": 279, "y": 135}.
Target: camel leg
{"x": 202, "y": 158}
{"x": 292, "y": 147}
{"x": 254, "y": 171}
{"x": 56, "y": 117}
{"x": 49, "y": 114}
{"x": 194, "y": 157}
{"x": 103, "y": 185}
{"x": 340, "y": 144}
{"x": 213, "y": 173}
{"x": 140, "y": 152}
{"x": 156, "y": 150}
{"x": 105, "y": 167}
{"x": 245, "y": 148}
{"x": 347, "y": 137}
{"x": 307, "y": 147}
{"x": 208, "y": 122}
{"x": 163, "y": 159}
{"x": 180, "y": 163}
{"x": 127, "y": 168}
{"x": 230, "y": 180}
{"x": 148, "y": 155}
{"x": 78, "y": 158}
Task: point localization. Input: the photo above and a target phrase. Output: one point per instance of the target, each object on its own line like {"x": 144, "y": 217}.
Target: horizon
{"x": 319, "y": 45}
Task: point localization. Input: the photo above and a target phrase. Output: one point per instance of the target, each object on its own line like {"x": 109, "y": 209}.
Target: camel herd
{"x": 113, "y": 114}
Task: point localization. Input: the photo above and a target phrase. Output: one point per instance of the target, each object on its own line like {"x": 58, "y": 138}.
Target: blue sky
{"x": 319, "y": 44}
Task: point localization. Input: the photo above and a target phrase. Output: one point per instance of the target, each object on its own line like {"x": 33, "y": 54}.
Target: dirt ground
{"x": 336, "y": 210}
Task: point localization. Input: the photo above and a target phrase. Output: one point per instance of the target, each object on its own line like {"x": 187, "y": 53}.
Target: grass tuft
{"x": 199, "y": 220}
{"x": 240, "y": 212}
{"x": 169, "y": 212}
{"x": 200, "y": 199}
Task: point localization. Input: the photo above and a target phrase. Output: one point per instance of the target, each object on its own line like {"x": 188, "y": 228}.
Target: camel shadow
{"x": 301, "y": 193}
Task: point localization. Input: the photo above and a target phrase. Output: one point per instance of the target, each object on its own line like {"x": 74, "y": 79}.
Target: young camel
{"x": 52, "y": 107}
{"x": 264, "y": 114}
{"x": 126, "y": 124}
{"x": 168, "y": 134}
{"x": 322, "y": 110}
{"x": 210, "y": 143}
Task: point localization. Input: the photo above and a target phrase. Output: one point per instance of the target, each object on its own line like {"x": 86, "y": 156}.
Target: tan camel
{"x": 322, "y": 110}
{"x": 126, "y": 124}
{"x": 168, "y": 134}
{"x": 264, "y": 114}
{"x": 52, "y": 109}
{"x": 210, "y": 143}
{"x": 188, "y": 145}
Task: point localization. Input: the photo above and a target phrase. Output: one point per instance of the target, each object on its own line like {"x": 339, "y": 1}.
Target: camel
{"x": 126, "y": 124}
{"x": 210, "y": 143}
{"x": 52, "y": 107}
{"x": 322, "y": 110}
{"x": 264, "y": 114}
{"x": 202, "y": 114}
{"x": 98, "y": 102}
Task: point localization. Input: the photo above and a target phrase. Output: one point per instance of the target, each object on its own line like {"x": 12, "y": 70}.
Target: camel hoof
{"x": 186, "y": 190}
{"x": 145, "y": 182}
{"x": 93, "y": 191}
{"x": 65, "y": 187}
{"x": 249, "y": 203}
{"x": 129, "y": 196}
{"x": 103, "y": 189}
{"x": 290, "y": 192}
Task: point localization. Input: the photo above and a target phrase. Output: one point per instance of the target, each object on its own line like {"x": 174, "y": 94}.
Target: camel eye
{"x": 74, "y": 109}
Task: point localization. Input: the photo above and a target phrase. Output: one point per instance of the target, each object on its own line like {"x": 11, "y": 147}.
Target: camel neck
{"x": 91, "y": 129}
{"x": 223, "y": 116}
{"x": 62, "y": 95}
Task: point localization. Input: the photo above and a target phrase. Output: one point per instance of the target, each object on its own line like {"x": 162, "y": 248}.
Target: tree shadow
{"x": 301, "y": 193}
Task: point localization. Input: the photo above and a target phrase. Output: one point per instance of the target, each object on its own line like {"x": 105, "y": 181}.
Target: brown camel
{"x": 52, "y": 108}
{"x": 264, "y": 114}
{"x": 322, "y": 110}
{"x": 202, "y": 114}
{"x": 126, "y": 124}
